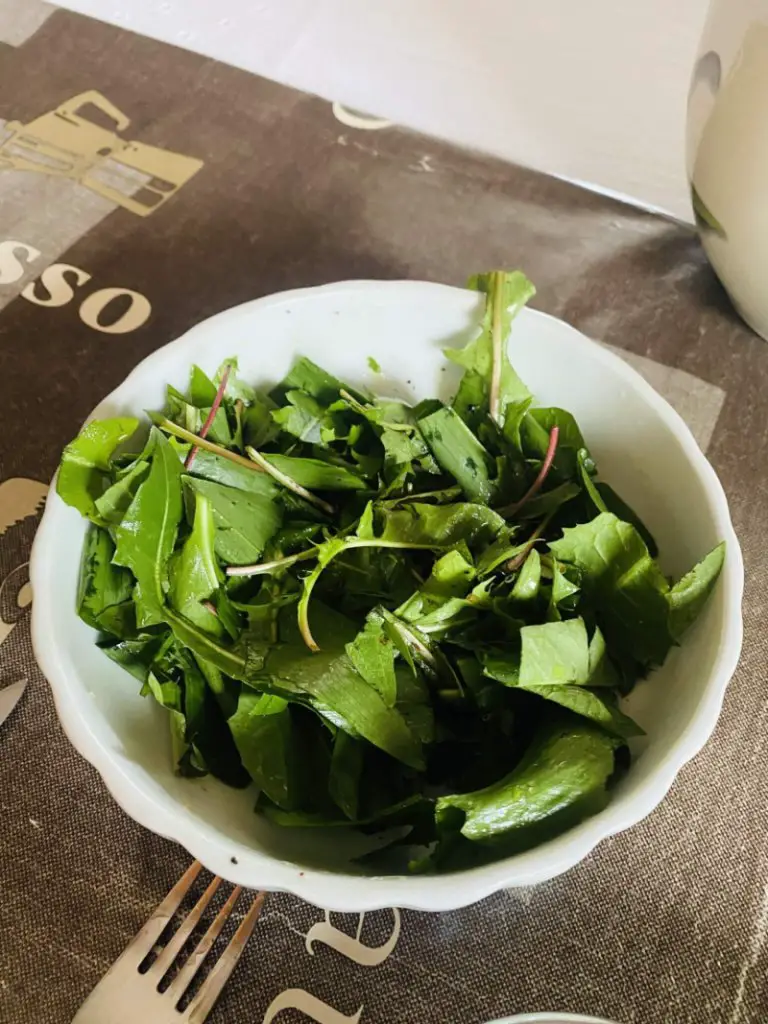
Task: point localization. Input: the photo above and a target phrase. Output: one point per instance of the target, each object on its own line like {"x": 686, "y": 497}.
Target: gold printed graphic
{"x": 66, "y": 143}
{"x": 20, "y": 498}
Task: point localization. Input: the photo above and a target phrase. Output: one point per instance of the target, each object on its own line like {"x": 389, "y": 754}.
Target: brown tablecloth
{"x": 665, "y": 923}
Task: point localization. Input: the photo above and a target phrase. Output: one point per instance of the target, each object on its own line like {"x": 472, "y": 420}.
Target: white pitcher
{"x": 728, "y": 152}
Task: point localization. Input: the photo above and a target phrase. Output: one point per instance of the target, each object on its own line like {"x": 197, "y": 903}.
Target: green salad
{"x": 413, "y": 621}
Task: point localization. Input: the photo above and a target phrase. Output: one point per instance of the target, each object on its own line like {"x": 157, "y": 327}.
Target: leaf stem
{"x": 363, "y": 410}
{"x": 589, "y": 485}
{"x": 538, "y": 483}
{"x": 287, "y": 482}
{"x": 351, "y": 400}
{"x": 200, "y": 442}
{"x": 514, "y": 563}
{"x": 210, "y": 417}
{"x": 374, "y": 542}
{"x": 447, "y": 492}
{"x": 496, "y": 298}
{"x": 266, "y": 568}
{"x": 303, "y": 609}
{"x": 276, "y": 564}
{"x": 432, "y": 659}
{"x": 349, "y": 544}
{"x": 414, "y": 641}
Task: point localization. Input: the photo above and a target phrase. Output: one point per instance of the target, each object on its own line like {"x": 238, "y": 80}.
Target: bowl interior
{"x": 641, "y": 448}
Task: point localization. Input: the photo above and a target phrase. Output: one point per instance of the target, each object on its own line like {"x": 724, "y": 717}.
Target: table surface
{"x": 590, "y": 91}
{"x": 666, "y": 922}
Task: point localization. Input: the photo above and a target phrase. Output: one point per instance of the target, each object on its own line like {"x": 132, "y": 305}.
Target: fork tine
{"x": 153, "y": 929}
{"x": 183, "y": 979}
{"x": 210, "y": 990}
{"x": 176, "y": 943}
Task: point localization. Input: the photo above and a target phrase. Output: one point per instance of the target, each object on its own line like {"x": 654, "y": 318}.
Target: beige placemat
{"x": 233, "y": 187}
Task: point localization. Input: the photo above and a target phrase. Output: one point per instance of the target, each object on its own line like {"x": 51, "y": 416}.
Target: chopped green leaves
{"x": 414, "y": 621}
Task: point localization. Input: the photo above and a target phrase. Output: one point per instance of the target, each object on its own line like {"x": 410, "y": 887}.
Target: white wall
{"x": 592, "y": 90}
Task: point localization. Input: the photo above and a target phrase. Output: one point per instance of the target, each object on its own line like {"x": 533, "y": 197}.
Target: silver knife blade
{"x": 9, "y": 698}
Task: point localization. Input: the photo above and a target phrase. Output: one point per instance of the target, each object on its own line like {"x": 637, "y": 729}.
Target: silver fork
{"x": 124, "y": 995}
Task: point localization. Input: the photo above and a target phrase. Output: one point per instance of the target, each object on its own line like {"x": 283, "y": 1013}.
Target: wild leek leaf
{"x": 263, "y": 733}
{"x": 458, "y": 452}
{"x": 689, "y": 595}
{"x": 207, "y": 732}
{"x": 303, "y": 417}
{"x": 590, "y": 704}
{"x": 441, "y": 526}
{"x": 566, "y": 763}
{"x": 535, "y": 431}
{"x": 225, "y": 690}
{"x": 307, "y": 376}
{"x": 225, "y": 611}
{"x": 601, "y": 670}
{"x": 615, "y": 503}
{"x": 167, "y": 693}
{"x": 135, "y": 654}
{"x": 218, "y": 652}
{"x": 86, "y": 461}
{"x": 373, "y": 655}
{"x": 245, "y": 520}
{"x": 627, "y": 588}
{"x": 528, "y": 582}
{"x": 554, "y": 653}
{"x": 209, "y": 466}
{"x": 331, "y": 680}
{"x": 563, "y": 595}
{"x": 195, "y": 574}
{"x": 344, "y": 777}
{"x": 102, "y": 584}
{"x": 147, "y": 532}
{"x": 315, "y": 475}
{"x": 112, "y": 505}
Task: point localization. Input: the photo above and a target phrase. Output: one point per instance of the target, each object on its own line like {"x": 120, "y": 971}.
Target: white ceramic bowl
{"x": 643, "y": 448}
